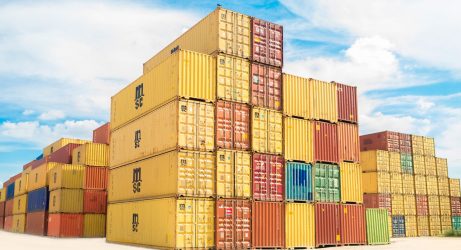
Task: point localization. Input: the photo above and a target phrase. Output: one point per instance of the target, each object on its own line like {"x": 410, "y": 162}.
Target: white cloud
{"x": 28, "y": 112}
{"x": 52, "y": 115}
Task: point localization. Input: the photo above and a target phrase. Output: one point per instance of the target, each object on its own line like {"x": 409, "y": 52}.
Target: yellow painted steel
{"x": 423, "y": 225}
{"x": 408, "y": 184}
{"x": 2, "y": 194}
{"x": 445, "y": 223}
{"x": 233, "y": 78}
{"x": 409, "y": 202}
{"x": 299, "y": 225}
{"x": 441, "y": 166}
{"x": 429, "y": 146}
{"x": 266, "y": 131}
{"x": 351, "y": 182}
{"x": 434, "y": 225}
{"x": 396, "y": 183}
{"x": 411, "y": 229}
{"x": 66, "y": 176}
{"x": 38, "y": 177}
{"x": 177, "y": 223}
{"x": 181, "y": 124}
{"x": 91, "y": 154}
{"x": 184, "y": 74}
{"x": 233, "y": 174}
{"x": 420, "y": 185}
{"x": 389, "y": 224}
{"x": 433, "y": 204}
{"x": 454, "y": 187}
{"x": 445, "y": 205}
{"x": 419, "y": 165}
{"x": 174, "y": 173}
{"x": 429, "y": 165}
{"x": 417, "y": 145}
{"x": 20, "y": 204}
{"x": 94, "y": 225}
{"x": 66, "y": 201}
{"x": 443, "y": 185}
{"x": 376, "y": 182}
{"x": 19, "y": 223}
{"x": 374, "y": 160}
{"x": 325, "y": 100}
{"x": 221, "y": 31}
{"x": 394, "y": 162}
{"x": 53, "y": 147}
{"x": 432, "y": 185}
{"x": 397, "y": 204}
{"x": 298, "y": 140}
{"x": 21, "y": 185}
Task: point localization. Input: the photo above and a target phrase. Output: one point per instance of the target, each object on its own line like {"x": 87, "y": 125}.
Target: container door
{"x": 242, "y": 223}
{"x": 233, "y": 79}
{"x": 225, "y": 219}
{"x": 276, "y": 177}
{"x": 205, "y": 130}
{"x": 234, "y": 33}
{"x": 241, "y": 126}
{"x": 205, "y": 174}
{"x": 204, "y": 223}
{"x": 275, "y": 132}
{"x": 224, "y": 126}
{"x": 260, "y": 178}
{"x": 242, "y": 168}
{"x": 267, "y": 42}
{"x": 185, "y": 226}
{"x": 259, "y": 131}
{"x": 225, "y": 174}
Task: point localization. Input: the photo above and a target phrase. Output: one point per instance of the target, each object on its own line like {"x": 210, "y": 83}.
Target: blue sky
{"x": 61, "y": 61}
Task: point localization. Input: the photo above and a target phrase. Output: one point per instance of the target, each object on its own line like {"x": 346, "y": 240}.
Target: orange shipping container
{"x": 347, "y": 103}
{"x": 102, "y": 134}
{"x": 268, "y": 220}
{"x": 233, "y": 224}
{"x": 96, "y": 178}
{"x": 232, "y": 125}
{"x": 348, "y": 142}
{"x": 325, "y": 142}
{"x": 94, "y": 202}
{"x": 65, "y": 225}
{"x": 266, "y": 86}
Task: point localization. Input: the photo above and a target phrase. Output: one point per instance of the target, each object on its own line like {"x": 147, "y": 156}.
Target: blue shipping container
{"x": 298, "y": 181}
{"x": 10, "y": 191}
{"x": 398, "y": 226}
{"x": 37, "y": 200}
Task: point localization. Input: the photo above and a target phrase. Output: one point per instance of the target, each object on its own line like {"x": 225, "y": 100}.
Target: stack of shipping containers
{"x": 2, "y": 206}
{"x": 455, "y": 200}
{"x": 9, "y": 186}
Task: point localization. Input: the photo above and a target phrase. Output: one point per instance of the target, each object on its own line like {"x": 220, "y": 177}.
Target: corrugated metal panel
{"x": 394, "y": 162}
{"x": 182, "y": 173}
{"x": 377, "y": 226}
{"x": 348, "y": 142}
{"x": 96, "y": 178}
{"x": 266, "y": 86}
{"x": 423, "y": 225}
{"x": 408, "y": 184}
{"x": 299, "y": 225}
{"x": 19, "y": 223}
{"x": 409, "y": 202}
{"x": 94, "y": 201}
{"x": 376, "y": 182}
{"x": 326, "y": 183}
{"x": 347, "y": 103}
{"x": 8, "y": 223}
{"x": 397, "y": 202}
{"x": 267, "y": 131}
{"x": 20, "y": 204}
{"x": 419, "y": 165}
{"x": 326, "y": 142}
{"x": 429, "y": 146}
{"x": 62, "y": 155}
{"x": 422, "y": 206}
{"x": 351, "y": 182}
{"x": 179, "y": 124}
{"x": 454, "y": 187}
{"x": 455, "y": 206}
{"x": 177, "y": 223}
{"x": 66, "y": 176}
{"x": 20, "y": 185}
{"x": 298, "y": 139}
{"x": 38, "y": 177}
{"x": 233, "y": 174}
{"x": 417, "y": 145}
{"x": 2, "y": 194}
{"x": 456, "y": 220}
{"x": 429, "y": 165}
{"x": 443, "y": 186}
{"x": 2, "y": 211}
{"x": 398, "y": 226}
{"x": 268, "y": 177}
{"x": 420, "y": 185}
{"x": 91, "y": 154}
{"x": 37, "y": 200}
{"x": 232, "y": 125}
{"x": 434, "y": 225}
{"x": 405, "y": 143}
{"x": 233, "y": 224}
{"x": 411, "y": 229}
{"x": 353, "y": 227}
{"x": 221, "y": 31}
{"x": 432, "y": 185}
{"x": 53, "y": 147}
{"x": 65, "y": 225}
{"x": 9, "y": 207}
{"x": 298, "y": 181}
{"x": 396, "y": 183}
{"x": 374, "y": 160}
{"x": 66, "y": 201}
{"x": 268, "y": 229}
{"x": 445, "y": 205}
{"x": 386, "y": 140}
{"x": 378, "y": 201}
{"x": 233, "y": 83}
{"x": 102, "y": 134}
{"x": 94, "y": 225}
{"x": 37, "y": 223}
{"x": 433, "y": 204}
{"x": 325, "y": 100}
{"x": 406, "y": 163}
{"x": 266, "y": 42}
{"x": 328, "y": 233}
{"x": 441, "y": 166}
{"x": 445, "y": 223}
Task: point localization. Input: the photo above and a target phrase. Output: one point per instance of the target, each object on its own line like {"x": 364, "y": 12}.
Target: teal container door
{"x": 298, "y": 181}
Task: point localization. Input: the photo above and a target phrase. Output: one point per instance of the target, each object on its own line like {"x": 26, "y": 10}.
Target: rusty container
{"x": 353, "y": 228}
{"x": 326, "y": 142}
{"x": 348, "y": 142}
{"x": 268, "y": 224}
{"x": 94, "y": 202}
{"x": 232, "y": 125}
{"x": 65, "y": 225}
{"x": 268, "y": 177}
{"x": 102, "y": 134}
{"x": 266, "y": 42}
{"x": 233, "y": 224}
{"x": 266, "y": 86}
{"x": 37, "y": 223}
{"x": 347, "y": 103}
{"x": 327, "y": 224}
{"x": 378, "y": 201}
{"x": 387, "y": 141}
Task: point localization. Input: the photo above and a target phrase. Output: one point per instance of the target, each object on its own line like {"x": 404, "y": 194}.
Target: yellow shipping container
{"x": 442, "y": 167}
{"x": 420, "y": 185}
{"x": 394, "y": 162}
{"x": 20, "y": 204}
{"x": 94, "y": 225}
{"x": 20, "y": 185}
{"x": 233, "y": 78}
{"x": 434, "y": 225}
{"x": 233, "y": 174}
{"x": 389, "y": 225}
{"x": 419, "y": 165}
{"x": 429, "y": 146}
{"x": 423, "y": 225}
{"x": 433, "y": 204}
{"x": 374, "y": 160}
{"x": 174, "y": 173}
{"x": 299, "y": 225}
{"x": 397, "y": 204}
{"x": 351, "y": 182}
{"x": 298, "y": 140}
{"x": 455, "y": 187}
{"x": 445, "y": 205}
{"x": 66, "y": 176}
{"x": 417, "y": 145}
{"x": 309, "y": 98}
{"x": 445, "y": 223}
{"x": 222, "y": 30}
{"x": 38, "y": 177}
{"x": 396, "y": 183}
{"x": 266, "y": 131}
{"x": 180, "y": 124}
{"x": 376, "y": 182}
{"x": 408, "y": 184}
{"x": 429, "y": 165}
{"x": 411, "y": 228}
{"x": 2, "y": 194}
{"x": 443, "y": 185}
{"x": 19, "y": 223}
{"x": 66, "y": 201}
{"x": 409, "y": 202}
{"x": 53, "y": 147}
{"x": 178, "y": 223}
{"x": 91, "y": 154}
{"x": 432, "y": 185}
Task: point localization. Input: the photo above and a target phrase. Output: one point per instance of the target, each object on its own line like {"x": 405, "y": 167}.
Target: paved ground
{"x": 27, "y": 242}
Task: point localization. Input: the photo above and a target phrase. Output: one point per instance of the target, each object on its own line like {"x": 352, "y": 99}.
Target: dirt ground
{"x": 27, "y": 242}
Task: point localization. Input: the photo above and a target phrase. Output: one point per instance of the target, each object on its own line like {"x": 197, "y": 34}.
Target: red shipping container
{"x": 2, "y": 222}
{"x": 28, "y": 165}
{"x": 388, "y": 141}
{"x": 326, "y": 142}
{"x": 353, "y": 229}
{"x": 8, "y": 225}
{"x": 37, "y": 223}
{"x": 405, "y": 143}
{"x": 9, "y": 207}
{"x": 422, "y": 205}
{"x": 268, "y": 224}
{"x": 348, "y": 142}
{"x": 268, "y": 177}
{"x": 94, "y": 202}
{"x": 455, "y": 206}
{"x": 96, "y": 178}
{"x": 327, "y": 224}
{"x": 65, "y": 225}
{"x": 232, "y": 125}
{"x": 347, "y": 103}
{"x": 378, "y": 201}
{"x": 267, "y": 42}
{"x": 266, "y": 86}
{"x": 2, "y": 209}
{"x": 102, "y": 134}
{"x": 11, "y": 180}
{"x": 37, "y": 163}
{"x": 64, "y": 154}
{"x": 233, "y": 224}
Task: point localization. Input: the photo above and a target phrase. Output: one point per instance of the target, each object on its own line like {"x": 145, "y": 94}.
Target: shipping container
{"x": 20, "y": 204}
{"x": 441, "y": 166}
{"x": 423, "y": 225}
{"x": 9, "y": 208}
{"x": 409, "y": 202}
{"x": 377, "y": 226}
{"x": 348, "y": 142}
{"x": 2, "y": 223}
{"x": 298, "y": 182}
{"x": 376, "y": 182}
{"x": 2, "y": 194}
{"x": 268, "y": 224}
{"x": 443, "y": 185}
{"x": 66, "y": 176}
{"x": 417, "y": 145}
{"x": 37, "y": 223}
{"x": 326, "y": 142}
{"x": 353, "y": 227}
{"x": 2, "y": 210}
{"x": 382, "y": 201}
{"x": 19, "y": 223}
{"x": 422, "y": 206}
{"x": 408, "y": 184}
{"x": 266, "y": 42}
{"x": 10, "y": 191}
{"x": 233, "y": 224}
{"x": 299, "y": 225}
{"x": 454, "y": 187}
{"x": 309, "y": 98}
{"x": 411, "y": 228}
{"x": 374, "y": 161}
{"x": 232, "y": 125}
{"x": 8, "y": 225}
{"x": 53, "y": 147}
{"x": 102, "y": 134}
{"x": 94, "y": 225}
{"x": 445, "y": 205}
{"x": 91, "y": 154}
{"x": 406, "y": 163}
{"x": 394, "y": 162}
{"x": 430, "y": 166}
{"x": 221, "y": 31}
{"x": 233, "y": 174}
{"x": 183, "y": 124}
{"x": 419, "y": 167}
{"x": 177, "y": 223}
{"x": 420, "y": 185}
{"x": 434, "y": 225}
{"x": 386, "y": 140}
{"x": 405, "y": 143}
{"x": 37, "y": 200}
{"x": 455, "y": 206}
{"x": 66, "y": 201}
{"x": 94, "y": 202}
{"x": 266, "y": 131}
{"x": 396, "y": 183}
{"x": 445, "y": 223}
{"x": 432, "y": 185}
{"x": 397, "y": 202}
{"x": 175, "y": 173}
{"x": 398, "y": 226}
{"x": 266, "y": 86}
{"x": 233, "y": 78}
{"x": 20, "y": 185}
{"x": 456, "y": 222}
{"x": 327, "y": 186}
{"x": 65, "y": 225}
{"x": 328, "y": 224}
{"x": 429, "y": 146}
{"x": 268, "y": 177}
{"x": 351, "y": 182}
{"x": 299, "y": 139}
{"x": 96, "y": 178}
{"x": 433, "y": 204}
{"x": 38, "y": 177}
{"x": 347, "y": 103}
{"x": 62, "y": 155}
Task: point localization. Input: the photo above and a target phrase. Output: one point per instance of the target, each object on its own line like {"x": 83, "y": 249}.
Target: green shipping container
{"x": 456, "y": 220}
{"x": 327, "y": 186}
{"x": 406, "y": 162}
{"x": 377, "y": 226}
